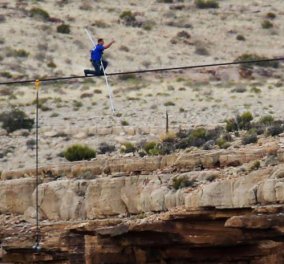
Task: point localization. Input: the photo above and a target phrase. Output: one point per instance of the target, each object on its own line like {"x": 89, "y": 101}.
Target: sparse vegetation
{"x": 63, "y": 29}
{"x": 204, "y": 4}
{"x": 16, "y": 119}
{"x": 249, "y": 137}
{"x": 169, "y": 103}
{"x": 254, "y": 57}
{"x": 266, "y": 24}
{"x": 51, "y": 64}
{"x": 127, "y": 147}
{"x": 79, "y": 152}
{"x": 182, "y": 182}
{"x": 128, "y": 18}
{"x": 124, "y": 123}
{"x": 271, "y": 15}
{"x": 240, "y": 122}
{"x": 106, "y": 148}
{"x": 240, "y": 38}
{"x": 39, "y": 13}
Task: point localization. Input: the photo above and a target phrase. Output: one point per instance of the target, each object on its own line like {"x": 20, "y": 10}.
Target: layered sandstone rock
{"x": 181, "y": 208}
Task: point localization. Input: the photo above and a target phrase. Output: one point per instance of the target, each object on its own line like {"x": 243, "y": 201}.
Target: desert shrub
{"x": 51, "y": 64}
{"x": 77, "y": 104}
{"x": 249, "y": 137}
{"x": 79, "y": 152}
{"x": 201, "y": 51}
{"x": 222, "y": 143}
{"x": 239, "y": 89}
{"x": 270, "y": 15}
{"x": 198, "y": 137}
{"x": 124, "y": 48}
{"x": 169, "y": 103}
{"x": 97, "y": 91}
{"x": 6, "y": 74}
{"x": 16, "y": 119}
{"x": 168, "y": 137}
{"x": 266, "y": 120}
{"x": 165, "y": 1}
{"x": 182, "y": 182}
{"x": 17, "y": 53}
{"x": 242, "y": 122}
{"x": 63, "y": 29}
{"x": 148, "y": 25}
{"x": 124, "y": 123}
{"x": 39, "y": 13}
{"x": 203, "y": 4}
{"x": 86, "y": 95}
{"x": 127, "y": 77}
{"x": 240, "y": 38}
{"x": 210, "y": 134}
{"x": 151, "y": 148}
{"x": 106, "y": 148}
{"x": 255, "y": 57}
{"x": 100, "y": 24}
{"x": 255, "y": 166}
{"x": 183, "y": 35}
{"x": 127, "y": 147}
{"x": 266, "y": 24}
{"x": 2, "y": 18}
{"x": 255, "y": 90}
{"x": 128, "y": 18}
{"x": 275, "y": 129}
{"x": 31, "y": 143}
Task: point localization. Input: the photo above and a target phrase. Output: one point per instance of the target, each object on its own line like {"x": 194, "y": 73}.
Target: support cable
{"x": 146, "y": 71}
{"x": 36, "y": 246}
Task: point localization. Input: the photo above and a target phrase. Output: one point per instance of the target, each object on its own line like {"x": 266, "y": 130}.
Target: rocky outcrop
{"x": 180, "y": 208}
{"x": 177, "y": 236}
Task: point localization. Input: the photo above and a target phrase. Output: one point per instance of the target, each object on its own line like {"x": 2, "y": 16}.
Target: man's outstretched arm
{"x": 109, "y": 44}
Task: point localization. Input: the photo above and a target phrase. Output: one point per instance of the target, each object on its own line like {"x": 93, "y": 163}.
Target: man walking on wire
{"x": 96, "y": 57}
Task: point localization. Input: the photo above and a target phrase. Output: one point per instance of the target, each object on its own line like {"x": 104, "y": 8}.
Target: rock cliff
{"x": 188, "y": 207}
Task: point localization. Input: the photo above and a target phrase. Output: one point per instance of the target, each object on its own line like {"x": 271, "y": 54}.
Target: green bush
{"x": 152, "y": 148}
{"x": 249, "y": 137}
{"x": 64, "y": 29}
{"x": 240, "y": 38}
{"x": 255, "y": 57}
{"x": 266, "y": 24}
{"x": 222, "y": 143}
{"x": 127, "y": 147}
{"x": 124, "y": 123}
{"x": 79, "y": 152}
{"x": 242, "y": 122}
{"x": 39, "y": 13}
{"x": 165, "y": 1}
{"x": 14, "y": 120}
{"x": 128, "y": 18}
{"x": 200, "y": 136}
{"x": 275, "y": 129}
{"x": 270, "y": 15}
{"x": 206, "y": 4}
{"x": 182, "y": 182}
{"x": 169, "y": 103}
{"x": 266, "y": 120}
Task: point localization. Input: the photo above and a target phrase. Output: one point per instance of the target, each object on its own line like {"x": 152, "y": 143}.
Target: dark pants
{"x": 98, "y": 68}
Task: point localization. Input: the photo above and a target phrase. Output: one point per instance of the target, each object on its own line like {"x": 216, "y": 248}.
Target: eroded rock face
{"x": 178, "y": 236}
{"x": 16, "y": 195}
{"x": 150, "y": 210}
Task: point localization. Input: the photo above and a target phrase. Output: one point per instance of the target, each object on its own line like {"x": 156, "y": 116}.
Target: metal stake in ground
{"x": 36, "y": 246}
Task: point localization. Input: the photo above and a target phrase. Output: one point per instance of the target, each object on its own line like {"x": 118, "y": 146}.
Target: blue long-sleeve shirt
{"x": 97, "y": 52}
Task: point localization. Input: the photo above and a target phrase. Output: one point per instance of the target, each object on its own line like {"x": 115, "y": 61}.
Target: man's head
{"x": 101, "y": 41}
